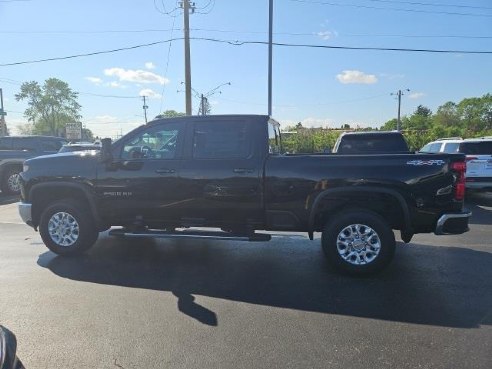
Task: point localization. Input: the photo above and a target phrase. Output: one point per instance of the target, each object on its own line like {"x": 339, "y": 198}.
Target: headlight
{"x": 25, "y": 167}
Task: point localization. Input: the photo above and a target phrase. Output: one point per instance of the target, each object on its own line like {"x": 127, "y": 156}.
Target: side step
{"x": 190, "y": 234}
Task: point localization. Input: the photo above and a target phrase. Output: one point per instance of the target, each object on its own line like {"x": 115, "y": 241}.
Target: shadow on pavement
{"x": 8, "y": 199}
{"x": 481, "y": 206}
{"x": 443, "y": 286}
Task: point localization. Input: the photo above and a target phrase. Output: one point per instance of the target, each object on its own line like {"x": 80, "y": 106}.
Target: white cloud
{"x": 137, "y": 76}
{"x": 327, "y": 35}
{"x": 150, "y": 65}
{"x": 356, "y": 76}
{"x": 416, "y": 95}
{"x": 150, "y": 93}
{"x": 95, "y": 80}
{"x": 115, "y": 84}
{"x": 104, "y": 119}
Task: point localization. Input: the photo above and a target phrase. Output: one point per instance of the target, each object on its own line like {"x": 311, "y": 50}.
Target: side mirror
{"x": 106, "y": 150}
{"x": 8, "y": 348}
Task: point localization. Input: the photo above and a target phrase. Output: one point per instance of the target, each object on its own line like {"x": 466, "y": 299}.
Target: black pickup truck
{"x": 14, "y": 150}
{"x": 171, "y": 176}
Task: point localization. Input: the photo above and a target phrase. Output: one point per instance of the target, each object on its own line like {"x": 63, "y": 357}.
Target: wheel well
{"x": 6, "y": 167}
{"x": 385, "y": 205}
{"x": 45, "y": 196}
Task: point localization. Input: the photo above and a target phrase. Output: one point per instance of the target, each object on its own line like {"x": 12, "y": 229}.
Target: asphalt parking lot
{"x": 194, "y": 304}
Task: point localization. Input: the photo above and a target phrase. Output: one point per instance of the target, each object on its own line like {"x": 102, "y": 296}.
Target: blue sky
{"x": 320, "y": 87}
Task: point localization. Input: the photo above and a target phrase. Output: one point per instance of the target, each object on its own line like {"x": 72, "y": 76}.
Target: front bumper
{"x": 453, "y": 223}
{"x": 25, "y": 212}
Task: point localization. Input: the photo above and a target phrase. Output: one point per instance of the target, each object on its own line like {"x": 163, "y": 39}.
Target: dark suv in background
{"x": 15, "y": 149}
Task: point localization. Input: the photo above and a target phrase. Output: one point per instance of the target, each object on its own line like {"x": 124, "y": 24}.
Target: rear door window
{"x": 5, "y": 143}
{"x": 451, "y": 147}
{"x": 221, "y": 140}
{"x": 25, "y": 144}
{"x": 476, "y": 148}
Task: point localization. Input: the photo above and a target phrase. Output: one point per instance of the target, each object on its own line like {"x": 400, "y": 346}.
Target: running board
{"x": 207, "y": 235}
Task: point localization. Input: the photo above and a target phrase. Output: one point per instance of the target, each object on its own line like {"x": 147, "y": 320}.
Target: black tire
{"x": 76, "y": 241}
{"x": 360, "y": 258}
{"x": 8, "y": 186}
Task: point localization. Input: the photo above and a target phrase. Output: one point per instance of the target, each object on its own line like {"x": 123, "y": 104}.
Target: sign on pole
{"x": 73, "y": 131}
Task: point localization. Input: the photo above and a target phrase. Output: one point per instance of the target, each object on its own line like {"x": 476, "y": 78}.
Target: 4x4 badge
{"x": 425, "y": 162}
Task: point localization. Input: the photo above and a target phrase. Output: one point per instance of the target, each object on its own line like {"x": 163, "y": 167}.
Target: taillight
{"x": 459, "y": 167}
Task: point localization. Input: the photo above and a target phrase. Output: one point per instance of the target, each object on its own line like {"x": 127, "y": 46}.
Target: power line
{"x": 241, "y": 43}
{"x": 431, "y": 4}
{"x": 390, "y": 9}
{"x": 19, "y": 83}
{"x": 91, "y": 53}
{"x": 111, "y": 96}
{"x": 246, "y": 32}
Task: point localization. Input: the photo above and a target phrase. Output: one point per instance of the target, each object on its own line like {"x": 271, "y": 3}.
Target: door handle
{"x": 165, "y": 171}
{"x": 242, "y": 170}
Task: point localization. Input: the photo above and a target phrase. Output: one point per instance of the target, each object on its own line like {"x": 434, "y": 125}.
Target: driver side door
{"x": 142, "y": 183}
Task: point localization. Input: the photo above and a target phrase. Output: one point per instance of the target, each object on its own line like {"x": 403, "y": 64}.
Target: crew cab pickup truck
{"x": 15, "y": 149}
{"x": 171, "y": 176}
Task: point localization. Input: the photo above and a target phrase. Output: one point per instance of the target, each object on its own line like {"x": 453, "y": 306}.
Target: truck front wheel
{"x": 67, "y": 228}
{"x": 358, "y": 242}
{"x": 10, "y": 181}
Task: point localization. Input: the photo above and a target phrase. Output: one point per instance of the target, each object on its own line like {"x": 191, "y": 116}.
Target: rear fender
{"x": 348, "y": 192}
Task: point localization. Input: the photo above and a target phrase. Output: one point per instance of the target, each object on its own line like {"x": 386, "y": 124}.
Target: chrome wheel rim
{"x": 358, "y": 244}
{"x": 13, "y": 183}
{"x": 63, "y": 229}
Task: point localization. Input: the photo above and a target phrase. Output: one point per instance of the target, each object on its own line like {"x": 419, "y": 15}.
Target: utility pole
{"x": 186, "y": 5}
{"x": 203, "y": 103}
{"x": 3, "y": 113}
{"x": 270, "y": 51}
{"x": 145, "y": 107}
{"x": 399, "y": 95}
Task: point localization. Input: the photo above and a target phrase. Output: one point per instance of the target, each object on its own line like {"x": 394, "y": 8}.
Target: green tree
{"x": 50, "y": 106}
{"x": 390, "y": 125}
{"x": 476, "y": 113}
{"x": 170, "y": 114}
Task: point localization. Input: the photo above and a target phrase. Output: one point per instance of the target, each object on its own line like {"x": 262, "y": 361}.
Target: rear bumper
{"x": 25, "y": 212}
{"x": 453, "y": 223}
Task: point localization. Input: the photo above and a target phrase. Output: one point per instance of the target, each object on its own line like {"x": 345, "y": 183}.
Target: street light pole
{"x": 270, "y": 51}
{"x": 398, "y": 121}
{"x": 186, "y": 13}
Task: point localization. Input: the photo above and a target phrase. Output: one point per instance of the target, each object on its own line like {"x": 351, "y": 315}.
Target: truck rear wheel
{"x": 67, "y": 228}
{"x": 10, "y": 181}
{"x": 358, "y": 242}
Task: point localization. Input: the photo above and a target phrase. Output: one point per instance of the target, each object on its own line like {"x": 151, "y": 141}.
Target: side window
{"x": 431, "y": 147}
{"x": 451, "y": 147}
{"x": 5, "y": 143}
{"x": 273, "y": 139}
{"x": 25, "y": 144}
{"x": 158, "y": 142}
{"x": 50, "y": 145}
{"x": 221, "y": 140}
{"x": 426, "y": 148}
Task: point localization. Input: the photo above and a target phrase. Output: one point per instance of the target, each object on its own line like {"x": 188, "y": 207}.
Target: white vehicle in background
{"x": 478, "y": 153}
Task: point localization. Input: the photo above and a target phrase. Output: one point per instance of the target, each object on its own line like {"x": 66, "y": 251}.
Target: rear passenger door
{"x": 221, "y": 175}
